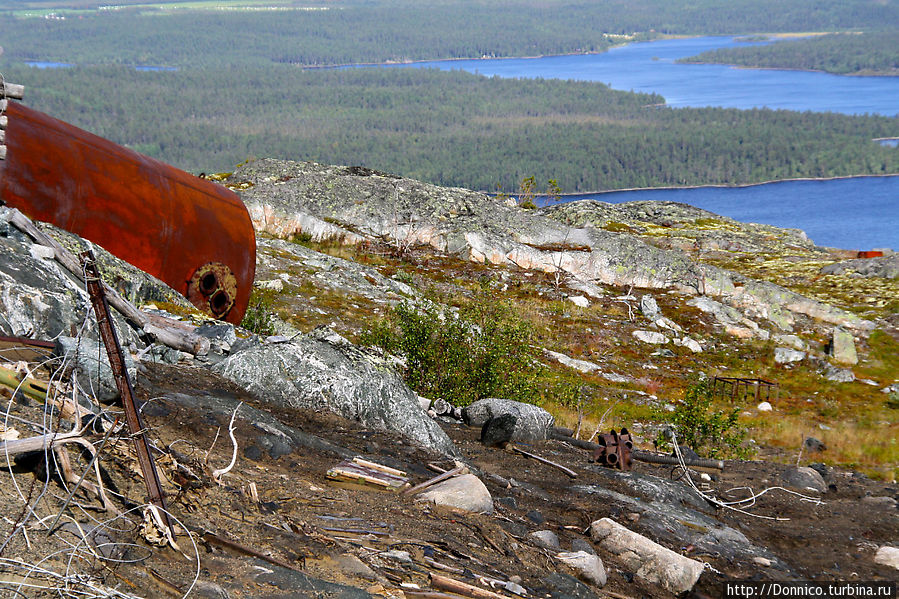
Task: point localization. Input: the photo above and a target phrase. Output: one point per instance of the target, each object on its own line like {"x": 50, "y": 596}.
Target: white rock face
{"x": 588, "y": 566}
{"x": 765, "y": 407}
{"x": 653, "y": 337}
{"x": 465, "y": 492}
{"x": 650, "y": 561}
{"x": 887, "y": 556}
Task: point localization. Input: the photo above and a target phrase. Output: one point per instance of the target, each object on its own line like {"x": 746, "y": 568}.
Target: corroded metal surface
{"x": 160, "y": 219}
{"x": 614, "y": 450}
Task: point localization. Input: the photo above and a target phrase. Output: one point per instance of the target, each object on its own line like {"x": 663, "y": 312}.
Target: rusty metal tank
{"x": 191, "y": 233}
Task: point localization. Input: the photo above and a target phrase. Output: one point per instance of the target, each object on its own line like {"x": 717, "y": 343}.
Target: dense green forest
{"x": 385, "y": 30}
{"x": 843, "y": 54}
{"x": 240, "y": 90}
{"x": 453, "y": 128}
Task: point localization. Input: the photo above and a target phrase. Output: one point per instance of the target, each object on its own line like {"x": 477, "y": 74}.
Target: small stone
{"x": 652, "y": 337}
{"x": 398, "y": 556}
{"x": 813, "y": 445}
{"x": 535, "y": 516}
{"x": 804, "y": 478}
{"x": 762, "y": 561}
{"x": 690, "y": 344}
{"x": 765, "y": 407}
{"x": 588, "y": 566}
{"x": 276, "y": 285}
{"x": 879, "y": 502}
{"x": 785, "y": 355}
{"x": 546, "y": 539}
{"x": 465, "y": 492}
{"x": 579, "y": 544}
{"x": 579, "y": 300}
{"x": 838, "y": 375}
{"x": 650, "y": 308}
{"x": 887, "y": 556}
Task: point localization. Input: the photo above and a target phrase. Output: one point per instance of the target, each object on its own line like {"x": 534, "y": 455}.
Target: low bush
{"x": 484, "y": 350}
{"x": 709, "y": 433}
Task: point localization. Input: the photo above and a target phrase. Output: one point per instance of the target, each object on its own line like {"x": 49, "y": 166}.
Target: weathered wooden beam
{"x": 11, "y": 90}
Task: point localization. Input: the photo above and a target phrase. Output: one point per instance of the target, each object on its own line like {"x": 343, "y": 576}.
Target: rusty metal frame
{"x": 725, "y": 386}
{"x": 123, "y": 383}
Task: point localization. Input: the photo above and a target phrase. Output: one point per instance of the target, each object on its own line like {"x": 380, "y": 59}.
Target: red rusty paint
{"x": 160, "y": 219}
{"x": 870, "y": 254}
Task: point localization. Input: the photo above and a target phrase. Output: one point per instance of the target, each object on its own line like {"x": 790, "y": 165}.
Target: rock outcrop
{"x": 323, "y": 371}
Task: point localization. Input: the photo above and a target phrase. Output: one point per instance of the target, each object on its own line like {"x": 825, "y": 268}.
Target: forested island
{"x": 238, "y": 88}
{"x": 872, "y": 53}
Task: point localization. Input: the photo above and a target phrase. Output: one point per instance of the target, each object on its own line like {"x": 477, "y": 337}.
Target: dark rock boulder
{"x": 532, "y": 423}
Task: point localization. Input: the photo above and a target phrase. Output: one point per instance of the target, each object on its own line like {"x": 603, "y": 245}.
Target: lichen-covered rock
{"x": 842, "y": 347}
{"x": 89, "y": 359}
{"x": 785, "y": 355}
{"x": 324, "y": 371}
{"x": 532, "y": 423}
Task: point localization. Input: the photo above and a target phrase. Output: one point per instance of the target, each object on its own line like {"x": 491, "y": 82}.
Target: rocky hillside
{"x": 629, "y": 304}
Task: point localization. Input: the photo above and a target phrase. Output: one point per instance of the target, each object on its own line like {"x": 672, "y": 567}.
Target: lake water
{"x": 856, "y": 213}
{"x": 652, "y": 67}
{"x": 40, "y": 64}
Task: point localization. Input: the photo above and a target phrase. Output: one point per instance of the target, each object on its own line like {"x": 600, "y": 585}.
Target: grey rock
{"x": 722, "y": 314}
{"x": 649, "y": 307}
{"x": 222, "y": 335}
{"x": 791, "y": 341}
{"x": 309, "y": 373}
{"x": 565, "y": 586}
{"x": 535, "y": 516}
{"x": 353, "y": 566}
{"x": 649, "y": 560}
{"x": 88, "y": 358}
{"x": 838, "y": 375}
{"x": 533, "y": 423}
{"x": 498, "y": 431}
{"x": 691, "y": 344}
{"x": 882, "y": 502}
{"x": 814, "y": 445}
{"x": 653, "y": 337}
{"x": 588, "y": 566}
{"x": 579, "y": 544}
{"x": 886, "y": 267}
{"x": 786, "y": 355}
{"x": 546, "y": 539}
{"x": 210, "y": 590}
{"x": 301, "y": 585}
{"x": 804, "y": 478}
{"x": 842, "y": 347}
{"x": 465, "y": 492}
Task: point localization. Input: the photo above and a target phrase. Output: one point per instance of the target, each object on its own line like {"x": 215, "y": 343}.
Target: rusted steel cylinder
{"x": 191, "y": 233}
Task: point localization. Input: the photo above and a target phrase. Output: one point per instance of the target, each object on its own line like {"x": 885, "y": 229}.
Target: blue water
{"x": 40, "y": 64}
{"x": 857, "y": 213}
{"x": 652, "y": 67}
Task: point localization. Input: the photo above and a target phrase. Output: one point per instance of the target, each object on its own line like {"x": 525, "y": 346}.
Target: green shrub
{"x": 260, "y": 317}
{"x": 483, "y": 351}
{"x": 707, "y": 432}
{"x": 893, "y": 400}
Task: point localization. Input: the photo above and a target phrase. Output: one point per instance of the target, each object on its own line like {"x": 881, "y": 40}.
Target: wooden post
{"x": 11, "y": 90}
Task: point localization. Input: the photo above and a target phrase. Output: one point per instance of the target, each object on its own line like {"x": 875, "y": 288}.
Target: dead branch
{"x": 459, "y": 469}
{"x": 218, "y": 474}
{"x": 462, "y": 588}
{"x": 570, "y": 473}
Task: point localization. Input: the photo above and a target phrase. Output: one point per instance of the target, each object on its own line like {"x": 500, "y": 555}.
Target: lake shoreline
{"x": 572, "y": 194}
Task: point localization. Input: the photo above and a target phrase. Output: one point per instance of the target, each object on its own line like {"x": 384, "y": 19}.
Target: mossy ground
{"x": 852, "y": 419}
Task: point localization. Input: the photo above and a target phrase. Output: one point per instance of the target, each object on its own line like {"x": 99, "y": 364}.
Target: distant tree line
{"x": 844, "y": 54}
{"x": 397, "y": 30}
{"x": 452, "y": 128}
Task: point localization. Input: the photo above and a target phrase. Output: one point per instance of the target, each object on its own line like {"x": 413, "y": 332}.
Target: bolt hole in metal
{"x": 213, "y": 288}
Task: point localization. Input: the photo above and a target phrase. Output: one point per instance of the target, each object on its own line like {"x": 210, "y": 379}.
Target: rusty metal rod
{"x": 123, "y": 382}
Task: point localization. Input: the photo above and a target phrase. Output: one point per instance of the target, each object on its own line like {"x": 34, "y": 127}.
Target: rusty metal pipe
{"x": 192, "y": 234}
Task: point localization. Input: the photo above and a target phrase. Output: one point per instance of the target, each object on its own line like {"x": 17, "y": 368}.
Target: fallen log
{"x": 462, "y": 588}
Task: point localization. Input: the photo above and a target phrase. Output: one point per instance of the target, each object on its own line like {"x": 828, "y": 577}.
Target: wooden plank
{"x": 12, "y": 90}
{"x": 382, "y": 468}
